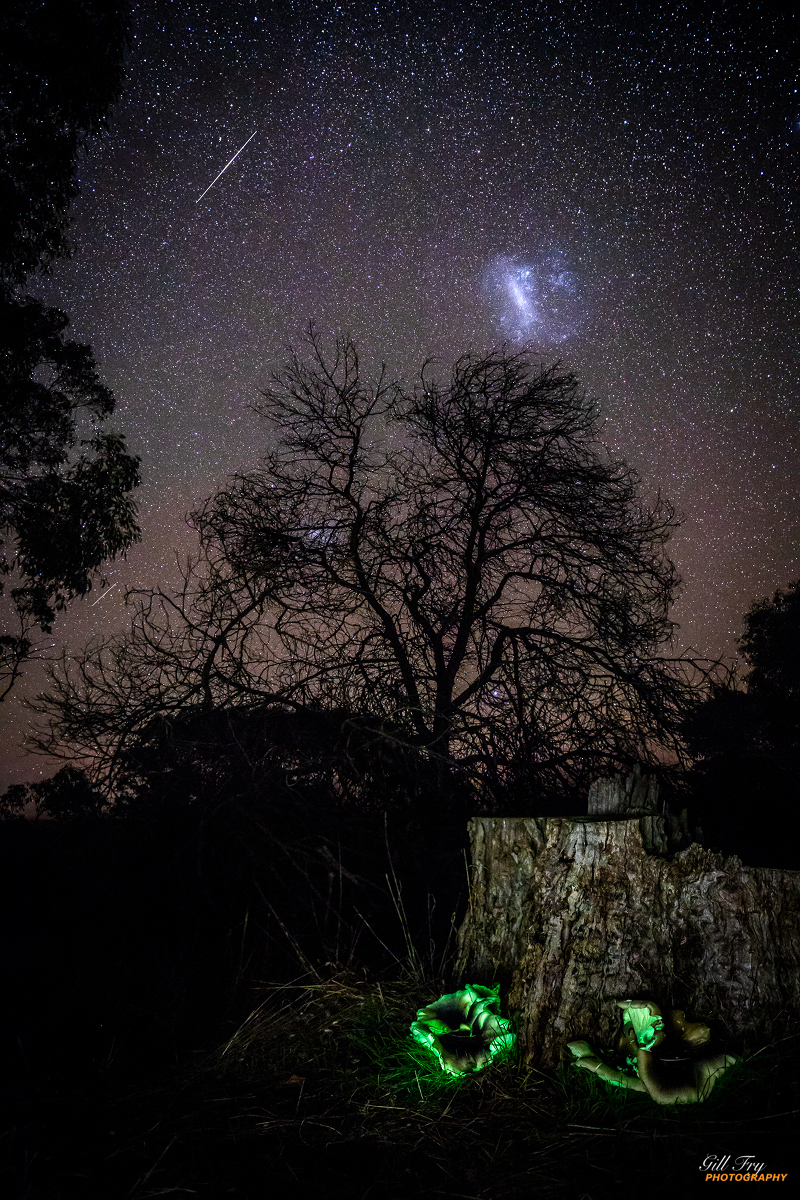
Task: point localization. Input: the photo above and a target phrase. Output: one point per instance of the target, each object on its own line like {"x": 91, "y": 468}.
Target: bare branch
{"x": 490, "y": 590}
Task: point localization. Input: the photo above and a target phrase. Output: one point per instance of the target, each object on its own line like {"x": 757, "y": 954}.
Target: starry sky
{"x": 613, "y": 186}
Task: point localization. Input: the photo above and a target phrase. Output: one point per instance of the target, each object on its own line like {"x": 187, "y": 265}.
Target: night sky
{"x": 614, "y": 187}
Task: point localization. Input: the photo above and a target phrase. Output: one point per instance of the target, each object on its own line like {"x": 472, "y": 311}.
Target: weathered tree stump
{"x": 572, "y": 914}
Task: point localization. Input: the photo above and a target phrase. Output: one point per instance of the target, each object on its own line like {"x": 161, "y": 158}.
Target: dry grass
{"x": 321, "y": 1092}
{"x": 333, "y": 1065}
{"x": 337, "y": 1055}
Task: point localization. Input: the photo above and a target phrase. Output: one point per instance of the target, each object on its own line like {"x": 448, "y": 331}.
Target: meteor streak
{"x": 99, "y": 598}
{"x": 224, "y": 169}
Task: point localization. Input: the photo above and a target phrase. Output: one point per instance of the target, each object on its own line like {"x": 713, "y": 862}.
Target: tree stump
{"x": 571, "y": 914}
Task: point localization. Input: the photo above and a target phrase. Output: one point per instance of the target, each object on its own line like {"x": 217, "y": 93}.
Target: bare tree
{"x": 461, "y": 563}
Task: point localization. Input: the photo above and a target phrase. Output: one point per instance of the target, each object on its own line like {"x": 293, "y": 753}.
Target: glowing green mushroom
{"x": 464, "y": 1029}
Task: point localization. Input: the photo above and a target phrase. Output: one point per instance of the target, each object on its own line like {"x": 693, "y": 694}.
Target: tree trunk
{"x": 571, "y": 914}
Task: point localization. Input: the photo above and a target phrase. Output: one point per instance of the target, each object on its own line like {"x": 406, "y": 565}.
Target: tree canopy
{"x": 65, "y": 482}
{"x": 745, "y": 740}
{"x": 759, "y": 713}
{"x": 460, "y": 564}
{"x": 62, "y": 68}
{"x": 65, "y": 499}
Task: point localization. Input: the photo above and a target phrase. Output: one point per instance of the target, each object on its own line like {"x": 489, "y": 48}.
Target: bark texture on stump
{"x": 574, "y": 913}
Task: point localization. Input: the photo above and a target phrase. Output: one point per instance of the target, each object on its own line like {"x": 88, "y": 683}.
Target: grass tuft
{"x": 336, "y": 1065}
{"x": 322, "y": 1091}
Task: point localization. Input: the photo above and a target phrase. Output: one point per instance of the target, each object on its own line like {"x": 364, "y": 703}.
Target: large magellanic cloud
{"x": 537, "y": 298}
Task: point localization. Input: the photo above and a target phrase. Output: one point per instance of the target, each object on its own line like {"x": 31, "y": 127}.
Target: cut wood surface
{"x": 571, "y": 914}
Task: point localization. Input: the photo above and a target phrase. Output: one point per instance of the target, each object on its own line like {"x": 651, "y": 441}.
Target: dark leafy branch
{"x": 65, "y": 482}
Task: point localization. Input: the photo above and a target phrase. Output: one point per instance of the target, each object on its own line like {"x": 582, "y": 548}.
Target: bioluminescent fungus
{"x": 464, "y": 1029}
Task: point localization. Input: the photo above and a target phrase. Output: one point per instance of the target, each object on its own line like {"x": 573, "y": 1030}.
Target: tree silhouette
{"x": 460, "y": 565}
{"x": 62, "y": 69}
{"x": 65, "y": 484}
{"x": 745, "y": 739}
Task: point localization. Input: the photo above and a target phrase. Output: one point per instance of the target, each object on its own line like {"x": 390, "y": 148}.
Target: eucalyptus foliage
{"x": 65, "y": 482}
